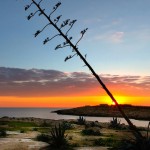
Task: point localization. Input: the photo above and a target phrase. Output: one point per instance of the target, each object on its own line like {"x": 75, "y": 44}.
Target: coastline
{"x": 104, "y": 110}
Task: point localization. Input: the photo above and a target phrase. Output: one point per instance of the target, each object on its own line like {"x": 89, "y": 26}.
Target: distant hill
{"x": 104, "y": 110}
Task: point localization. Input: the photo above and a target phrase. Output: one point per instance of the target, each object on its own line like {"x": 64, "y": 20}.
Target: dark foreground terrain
{"x": 22, "y": 133}
{"x": 104, "y": 110}
{"x": 31, "y": 133}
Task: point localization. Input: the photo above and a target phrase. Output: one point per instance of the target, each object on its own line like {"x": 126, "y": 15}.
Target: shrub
{"x": 22, "y": 131}
{"x": 81, "y": 120}
{"x": 105, "y": 142}
{"x": 3, "y": 133}
{"x": 115, "y": 123}
{"x": 91, "y": 131}
{"x": 93, "y": 124}
{"x": 45, "y": 124}
{"x": 66, "y": 125}
{"x": 43, "y": 138}
{"x": 130, "y": 144}
{"x": 35, "y": 129}
{"x": 134, "y": 144}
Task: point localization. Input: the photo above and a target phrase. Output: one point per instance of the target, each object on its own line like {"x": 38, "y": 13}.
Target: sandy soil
{"x": 21, "y": 141}
{"x": 25, "y": 141}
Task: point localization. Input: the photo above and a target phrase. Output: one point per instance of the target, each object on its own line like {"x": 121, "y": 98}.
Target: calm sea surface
{"x": 46, "y": 113}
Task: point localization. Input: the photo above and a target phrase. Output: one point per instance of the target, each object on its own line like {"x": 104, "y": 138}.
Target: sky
{"x": 116, "y": 44}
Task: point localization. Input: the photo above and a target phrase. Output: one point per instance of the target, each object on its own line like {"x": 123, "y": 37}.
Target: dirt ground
{"x": 25, "y": 141}
{"x": 21, "y": 141}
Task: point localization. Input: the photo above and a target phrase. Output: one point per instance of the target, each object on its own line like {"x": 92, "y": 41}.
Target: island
{"x": 104, "y": 110}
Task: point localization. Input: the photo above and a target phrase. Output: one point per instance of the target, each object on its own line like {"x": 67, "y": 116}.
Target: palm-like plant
{"x": 58, "y": 137}
{"x": 81, "y": 120}
{"x": 115, "y": 123}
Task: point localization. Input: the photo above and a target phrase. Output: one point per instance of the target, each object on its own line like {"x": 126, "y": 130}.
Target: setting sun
{"x": 120, "y": 100}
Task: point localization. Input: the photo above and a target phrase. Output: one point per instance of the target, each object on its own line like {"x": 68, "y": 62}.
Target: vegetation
{"x": 134, "y": 144}
{"x": 79, "y": 135}
{"x": 134, "y": 112}
{"x": 18, "y": 124}
{"x": 3, "y": 133}
{"x": 109, "y": 142}
{"x": 115, "y": 123}
{"x": 22, "y": 131}
{"x": 58, "y": 138}
{"x": 130, "y": 144}
{"x": 74, "y": 48}
{"x": 81, "y": 120}
{"x": 91, "y": 131}
{"x": 45, "y": 124}
{"x": 66, "y": 125}
{"x": 35, "y": 129}
{"x": 43, "y": 138}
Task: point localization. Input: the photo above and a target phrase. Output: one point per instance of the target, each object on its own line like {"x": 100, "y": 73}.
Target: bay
{"x": 46, "y": 113}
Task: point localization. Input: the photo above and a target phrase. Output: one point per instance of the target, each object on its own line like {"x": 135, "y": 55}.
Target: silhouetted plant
{"x": 74, "y": 47}
{"x": 58, "y": 138}
{"x": 22, "y": 131}
{"x": 3, "y": 133}
{"x": 115, "y": 123}
{"x": 134, "y": 144}
{"x": 81, "y": 120}
{"x": 43, "y": 137}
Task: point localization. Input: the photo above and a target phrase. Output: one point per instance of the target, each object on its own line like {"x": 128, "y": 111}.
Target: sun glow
{"x": 70, "y": 101}
{"x": 120, "y": 100}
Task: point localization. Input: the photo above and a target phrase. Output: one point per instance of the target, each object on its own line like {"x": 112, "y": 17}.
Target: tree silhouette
{"x": 68, "y": 23}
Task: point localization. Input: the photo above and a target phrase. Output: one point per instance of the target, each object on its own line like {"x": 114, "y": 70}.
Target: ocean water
{"x": 46, "y": 113}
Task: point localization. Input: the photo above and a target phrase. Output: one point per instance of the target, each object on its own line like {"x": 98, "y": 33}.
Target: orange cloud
{"x": 52, "y": 88}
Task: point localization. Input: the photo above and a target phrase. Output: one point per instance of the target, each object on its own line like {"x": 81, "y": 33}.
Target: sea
{"x": 47, "y": 113}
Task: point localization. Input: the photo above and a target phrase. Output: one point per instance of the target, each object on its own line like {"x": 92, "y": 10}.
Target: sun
{"x": 113, "y": 103}
{"x": 120, "y": 100}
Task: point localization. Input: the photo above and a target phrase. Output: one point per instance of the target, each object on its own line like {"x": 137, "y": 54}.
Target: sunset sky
{"x": 117, "y": 45}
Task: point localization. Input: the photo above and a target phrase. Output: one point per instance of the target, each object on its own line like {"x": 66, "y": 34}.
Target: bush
{"x": 81, "y": 120}
{"x": 115, "y": 123}
{"x": 43, "y": 138}
{"x": 93, "y": 124}
{"x": 110, "y": 142}
{"x": 3, "y": 133}
{"x": 35, "y": 129}
{"x": 45, "y": 124}
{"x": 66, "y": 125}
{"x": 22, "y": 131}
{"x": 128, "y": 144}
{"x": 91, "y": 131}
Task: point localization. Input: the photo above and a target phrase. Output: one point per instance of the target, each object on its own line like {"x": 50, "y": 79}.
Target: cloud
{"x": 117, "y": 37}
{"x": 111, "y": 37}
{"x": 37, "y": 82}
{"x": 43, "y": 83}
